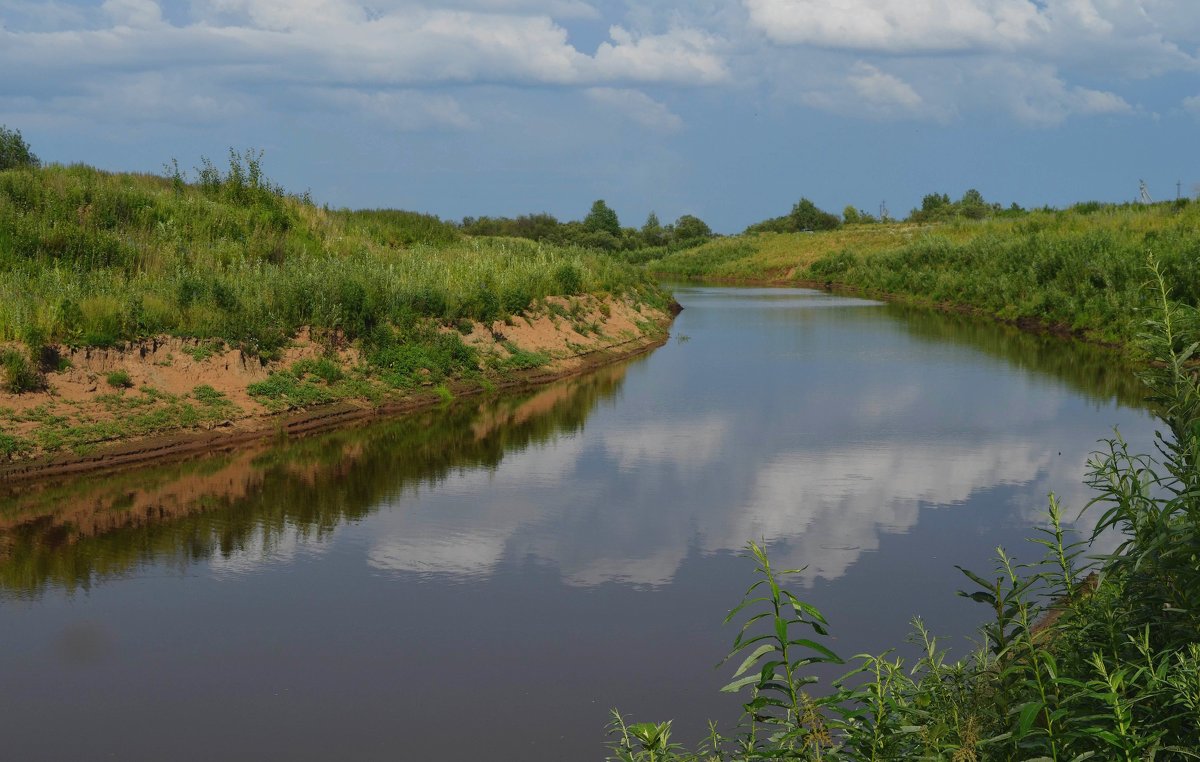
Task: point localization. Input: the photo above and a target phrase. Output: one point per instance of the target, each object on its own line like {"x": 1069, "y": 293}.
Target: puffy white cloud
{"x": 899, "y": 26}
{"x": 1142, "y": 37}
{"x": 559, "y": 9}
{"x": 867, "y": 90}
{"x": 1038, "y": 96}
{"x": 128, "y": 61}
{"x": 331, "y": 41}
{"x": 875, "y": 86}
{"x": 878, "y": 59}
{"x": 285, "y": 13}
{"x": 681, "y": 55}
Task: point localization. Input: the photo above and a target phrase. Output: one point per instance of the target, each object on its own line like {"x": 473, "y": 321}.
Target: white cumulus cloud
{"x": 899, "y": 25}
{"x": 680, "y": 55}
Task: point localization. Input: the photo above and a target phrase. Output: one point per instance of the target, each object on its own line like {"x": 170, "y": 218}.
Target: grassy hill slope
{"x": 1082, "y": 269}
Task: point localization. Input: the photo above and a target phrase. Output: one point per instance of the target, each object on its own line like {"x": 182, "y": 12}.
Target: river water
{"x": 485, "y": 581}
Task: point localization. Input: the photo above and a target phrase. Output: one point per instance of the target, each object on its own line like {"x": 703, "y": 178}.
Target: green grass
{"x": 145, "y": 412}
{"x": 518, "y": 359}
{"x": 12, "y": 446}
{"x": 206, "y": 395}
{"x": 89, "y": 258}
{"x": 323, "y": 368}
{"x": 204, "y": 350}
{"x": 284, "y": 389}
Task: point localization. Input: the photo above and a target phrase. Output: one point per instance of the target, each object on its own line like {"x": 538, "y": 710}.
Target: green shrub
{"x": 569, "y": 278}
{"x": 284, "y": 389}
{"x": 20, "y": 375}
{"x": 14, "y": 151}
{"x": 419, "y": 354}
{"x": 324, "y": 368}
{"x": 119, "y": 379}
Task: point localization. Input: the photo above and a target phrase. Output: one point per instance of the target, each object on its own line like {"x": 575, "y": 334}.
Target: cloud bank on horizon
{"x": 514, "y": 101}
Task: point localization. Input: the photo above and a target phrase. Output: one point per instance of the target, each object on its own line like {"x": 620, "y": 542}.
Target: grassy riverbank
{"x": 299, "y": 304}
{"x": 1080, "y": 269}
{"x": 1080, "y": 656}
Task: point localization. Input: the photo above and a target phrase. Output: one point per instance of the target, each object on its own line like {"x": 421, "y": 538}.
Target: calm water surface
{"x": 487, "y": 580}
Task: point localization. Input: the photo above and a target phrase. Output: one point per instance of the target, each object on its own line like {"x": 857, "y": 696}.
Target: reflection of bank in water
{"x": 75, "y": 532}
{"x": 1099, "y": 373}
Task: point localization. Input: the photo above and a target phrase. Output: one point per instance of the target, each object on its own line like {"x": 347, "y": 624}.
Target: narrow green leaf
{"x": 753, "y": 657}
{"x": 816, "y": 647}
{"x": 1029, "y": 713}
{"x": 737, "y": 685}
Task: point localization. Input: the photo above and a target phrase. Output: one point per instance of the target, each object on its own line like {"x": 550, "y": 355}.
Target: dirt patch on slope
{"x": 567, "y": 335}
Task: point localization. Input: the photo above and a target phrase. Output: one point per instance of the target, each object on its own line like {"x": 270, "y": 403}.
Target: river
{"x": 486, "y": 580}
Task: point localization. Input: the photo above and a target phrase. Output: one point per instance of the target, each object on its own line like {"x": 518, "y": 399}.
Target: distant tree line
{"x": 600, "y": 229}
{"x": 805, "y": 216}
{"x": 935, "y": 207}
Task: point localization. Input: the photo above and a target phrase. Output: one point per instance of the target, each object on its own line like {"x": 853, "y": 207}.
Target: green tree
{"x": 691, "y": 229}
{"x": 806, "y": 216}
{"x": 934, "y": 202}
{"x": 602, "y": 219}
{"x": 850, "y": 215}
{"x": 934, "y": 206}
{"x": 972, "y": 205}
{"x": 652, "y": 232}
{"x": 14, "y": 151}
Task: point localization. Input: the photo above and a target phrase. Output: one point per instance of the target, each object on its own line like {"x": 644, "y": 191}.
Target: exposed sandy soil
{"x": 577, "y": 333}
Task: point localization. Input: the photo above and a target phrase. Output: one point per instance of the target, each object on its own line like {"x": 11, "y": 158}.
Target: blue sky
{"x": 727, "y": 109}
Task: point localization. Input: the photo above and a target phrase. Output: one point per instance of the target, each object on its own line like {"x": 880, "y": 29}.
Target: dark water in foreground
{"x": 486, "y": 581}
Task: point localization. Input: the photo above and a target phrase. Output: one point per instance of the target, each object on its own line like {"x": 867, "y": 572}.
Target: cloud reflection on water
{"x": 828, "y": 442}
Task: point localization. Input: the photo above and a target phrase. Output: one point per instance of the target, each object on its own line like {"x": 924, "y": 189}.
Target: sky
{"x": 730, "y": 110}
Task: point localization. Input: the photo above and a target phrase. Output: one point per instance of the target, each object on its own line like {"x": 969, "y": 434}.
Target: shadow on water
{"x": 76, "y": 533}
{"x": 1097, "y": 373}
